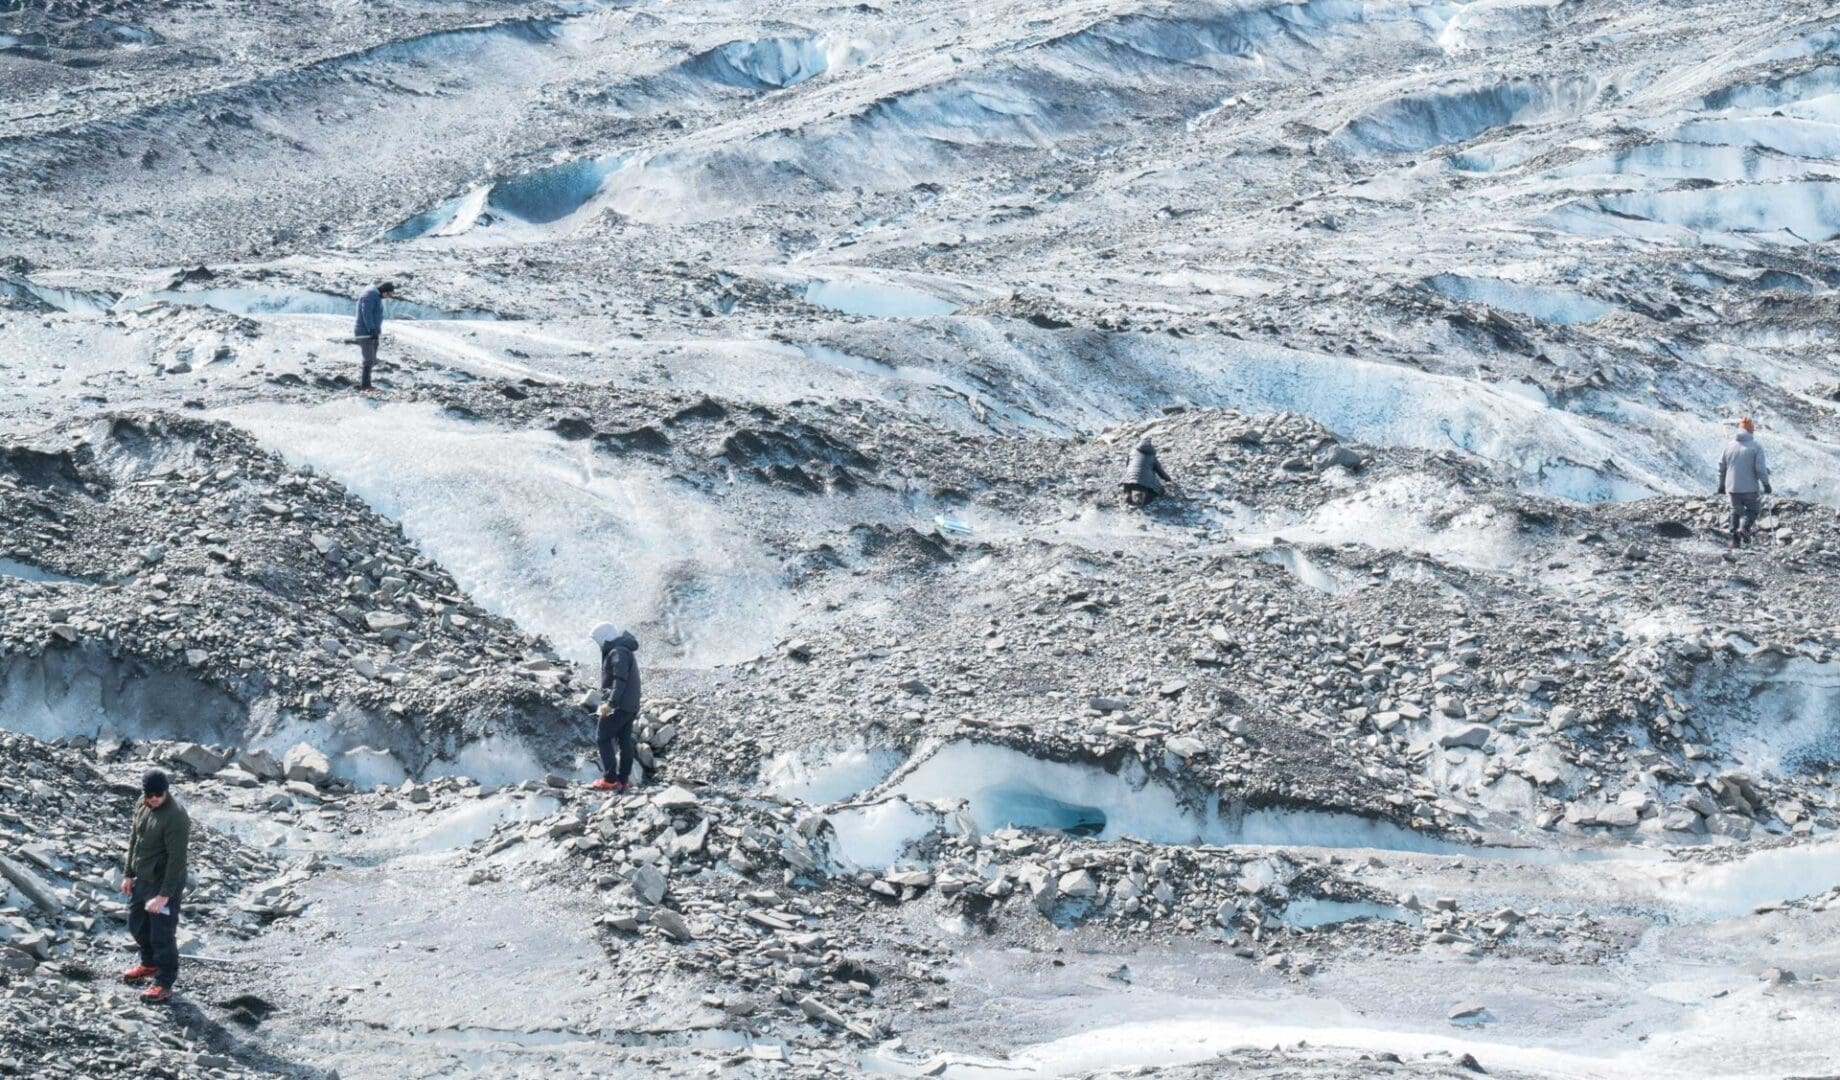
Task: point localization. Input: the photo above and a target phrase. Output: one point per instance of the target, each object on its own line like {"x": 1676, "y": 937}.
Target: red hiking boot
{"x": 604, "y": 784}
{"x": 139, "y": 973}
{"x": 157, "y": 995}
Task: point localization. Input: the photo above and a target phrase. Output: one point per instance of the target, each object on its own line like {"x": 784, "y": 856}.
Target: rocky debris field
{"x": 63, "y": 927}
{"x": 165, "y": 557}
{"x": 752, "y": 903}
{"x": 1478, "y": 698}
{"x": 1026, "y": 724}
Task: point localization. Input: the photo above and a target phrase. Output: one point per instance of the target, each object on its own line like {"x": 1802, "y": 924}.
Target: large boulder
{"x": 387, "y": 622}
{"x": 199, "y": 760}
{"x": 261, "y": 763}
{"x": 305, "y": 764}
{"x": 1469, "y": 736}
{"x": 31, "y": 886}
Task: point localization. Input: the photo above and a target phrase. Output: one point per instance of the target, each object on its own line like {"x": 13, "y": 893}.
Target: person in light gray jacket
{"x": 1144, "y": 479}
{"x": 1744, "y": 473}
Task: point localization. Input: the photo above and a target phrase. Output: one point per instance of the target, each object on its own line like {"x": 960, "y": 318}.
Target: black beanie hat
{"x": 154, "y": 783}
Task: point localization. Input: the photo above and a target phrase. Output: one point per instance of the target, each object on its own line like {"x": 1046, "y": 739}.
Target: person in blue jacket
{"x": 369, "y": 330}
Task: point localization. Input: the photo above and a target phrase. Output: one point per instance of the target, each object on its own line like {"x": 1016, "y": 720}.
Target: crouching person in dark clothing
{"x": 154, "y": 882}
{"x": 619, "y": 706}
{"x": 1144, "y": 479}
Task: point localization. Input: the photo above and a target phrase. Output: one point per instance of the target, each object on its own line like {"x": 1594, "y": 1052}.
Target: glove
{"x": 1766, "y": 488}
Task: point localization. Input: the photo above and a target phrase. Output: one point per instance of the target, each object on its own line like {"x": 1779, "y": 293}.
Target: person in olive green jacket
{"x": 154, "y": 883}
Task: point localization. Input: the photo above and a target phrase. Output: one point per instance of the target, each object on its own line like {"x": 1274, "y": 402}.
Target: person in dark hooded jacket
{"x": 619, "y": 707}
{"x": 1143, "y": 481}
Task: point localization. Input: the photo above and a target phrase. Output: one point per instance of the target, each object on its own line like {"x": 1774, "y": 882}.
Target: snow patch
{"x": 1558, "y": 453}
{"x": 120, "y": 33}
{"x": 879, "y": 835}
{"x": 546, "y": 197}
{"x": 1821, "y": 42}
{"x": 465, "y": 825}
{"x": 1304, "y": 569}
{"x": 84, "y": 693}
{"x": 1816, "y": 85}
{"x": 414, "y": 834}
{"x": 1815, "y": 142}
{"x": 1308, "y": 913}
{"x": 1198, "y": 1032}
{"x": 952, "y": 396}
{"x": 1240, "y": 39}
{"x": 367, "y": 767}
{"x": 1678, "y": 160}
{"x": 827, "y": 774}
{"x": 1778, "y": 716}
{"x": 1791, "y": 213}
{"x": 1485, "y": 24}
{"x": 494, "y": 761}
{"x": 547, "y": 532}
{"x": 1408, "y": 513}
{"x": 1420, "y": 122}
{"x": 1544, "y": 302}
{"x": 257, "y": 301}
{"x": 70, "y": 301}
{"x": 776, "y": 63}
{"x": 23, "y": 571}
{"x": 876, "y": 299}
{"x": 1054, "y": 91}
{"x": 1005, "y": 788}
{"x": 1729, "y": 890}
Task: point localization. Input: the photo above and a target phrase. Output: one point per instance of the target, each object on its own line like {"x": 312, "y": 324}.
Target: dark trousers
{"x": 1744, "y": 507}
{"x": 617, "y": 728}
{"x": 157, "y": 935}
{"x": 367, "y": 348}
